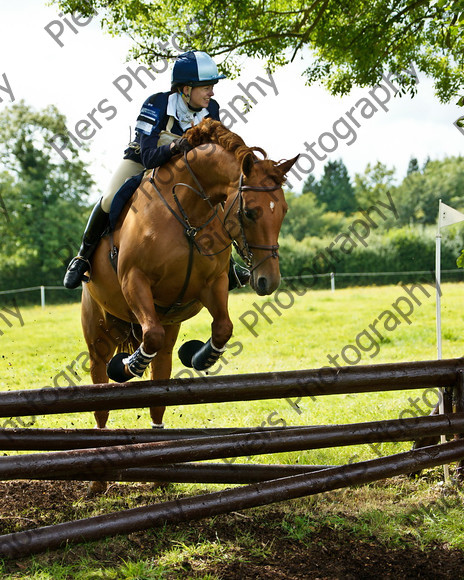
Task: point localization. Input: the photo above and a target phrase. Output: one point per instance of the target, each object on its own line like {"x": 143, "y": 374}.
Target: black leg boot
{"x": 79, "y": 265}
{"x": 238, "y": 275}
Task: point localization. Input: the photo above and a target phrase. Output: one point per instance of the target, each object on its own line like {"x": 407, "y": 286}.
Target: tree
{"x": 310, "y": 185}
{"x": 352, "y": 42}
{"x": 307, "y": 217}
{"x": 44, "y": 197}
{"x": 373, "y": 184}
{"x": 304, "y": 218}
{"x": 413, "y": 166}
{"x": 416, "y": 198}
{"x": 334, "y": 188}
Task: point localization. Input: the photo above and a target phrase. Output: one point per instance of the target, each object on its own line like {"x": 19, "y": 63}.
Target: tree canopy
{"x": 43, "y": 197}
{"x": 334, "y": 189}
{"x": 351, "y": 42}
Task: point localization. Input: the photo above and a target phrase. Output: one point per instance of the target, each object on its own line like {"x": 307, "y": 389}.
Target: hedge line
{"x": 399, "y": 250}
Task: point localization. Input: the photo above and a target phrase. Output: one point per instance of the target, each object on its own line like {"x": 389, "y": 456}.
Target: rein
{"x": 191, "y": 231}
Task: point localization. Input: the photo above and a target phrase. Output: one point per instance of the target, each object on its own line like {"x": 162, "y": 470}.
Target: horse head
{"x": 255, "y": 206}
{"x": 259, "y": 208}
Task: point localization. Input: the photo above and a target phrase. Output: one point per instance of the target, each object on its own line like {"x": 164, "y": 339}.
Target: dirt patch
{"x": 338, "y": 555}
{"x": 249, "y": 545}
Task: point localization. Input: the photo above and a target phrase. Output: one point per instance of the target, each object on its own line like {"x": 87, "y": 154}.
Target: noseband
{"x": 245, "y": 250}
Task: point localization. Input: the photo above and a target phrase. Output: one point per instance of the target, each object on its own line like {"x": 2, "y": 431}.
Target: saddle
{"x": 124, "y": 193}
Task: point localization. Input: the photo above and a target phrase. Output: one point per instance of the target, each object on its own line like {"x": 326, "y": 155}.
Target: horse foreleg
{"x": 98, "y": 374}
{"x": 101, "y": 347}
{"x": 216, "y": 301}
{"x": 161, "y": 369}
{"x": 137, "y": 292}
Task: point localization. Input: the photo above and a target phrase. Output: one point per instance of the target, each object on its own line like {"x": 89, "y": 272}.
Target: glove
{"x": 181, "y": 145}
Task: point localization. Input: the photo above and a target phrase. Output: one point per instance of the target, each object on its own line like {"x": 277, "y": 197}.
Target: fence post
{"x": 332, "y": 281}
{"x": 42, "y": 296}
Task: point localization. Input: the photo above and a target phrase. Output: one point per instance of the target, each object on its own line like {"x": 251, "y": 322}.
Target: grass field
{"x": 288, "y": 331}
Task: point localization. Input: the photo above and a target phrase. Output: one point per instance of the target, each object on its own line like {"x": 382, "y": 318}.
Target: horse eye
{"x": 250, "y": 213}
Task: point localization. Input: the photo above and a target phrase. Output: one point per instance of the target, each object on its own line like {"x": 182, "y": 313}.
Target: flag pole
{"x": 437, "y": 283}
{"x": 441, "y": 401}
{"x": 447, "y": 216}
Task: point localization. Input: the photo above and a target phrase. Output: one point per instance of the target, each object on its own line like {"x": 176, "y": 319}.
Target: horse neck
{"x": 216, "y": 174}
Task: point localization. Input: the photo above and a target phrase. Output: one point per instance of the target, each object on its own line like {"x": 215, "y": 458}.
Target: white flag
{"x": 448, "y": 216}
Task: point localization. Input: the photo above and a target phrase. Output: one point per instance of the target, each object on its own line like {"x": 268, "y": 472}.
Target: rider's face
{"x": 200, "y": 96}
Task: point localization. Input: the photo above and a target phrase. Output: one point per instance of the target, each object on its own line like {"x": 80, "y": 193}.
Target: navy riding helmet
{"x": 195, "y": 69}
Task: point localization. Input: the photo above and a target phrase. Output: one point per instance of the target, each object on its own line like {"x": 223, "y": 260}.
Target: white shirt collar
{"x": 178, "y": 109}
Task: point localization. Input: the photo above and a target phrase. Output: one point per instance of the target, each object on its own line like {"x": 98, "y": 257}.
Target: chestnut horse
{"x": 173, "y": 241}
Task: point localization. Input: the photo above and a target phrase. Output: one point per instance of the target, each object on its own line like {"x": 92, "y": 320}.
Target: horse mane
{"x": 211, "y": 131}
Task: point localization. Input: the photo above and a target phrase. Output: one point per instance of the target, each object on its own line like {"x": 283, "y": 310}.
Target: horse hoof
{"x": 115, "y": 369}
{"x": 187, "y": 351}
{"x": 96, "y": 488}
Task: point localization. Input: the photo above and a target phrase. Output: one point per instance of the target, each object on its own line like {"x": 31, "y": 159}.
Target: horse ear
{"x": 247, "y": 164}
{"x": 285, "y": 166}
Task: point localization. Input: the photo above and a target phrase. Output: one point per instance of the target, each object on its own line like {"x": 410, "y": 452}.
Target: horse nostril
{"x": 262, "y": 285}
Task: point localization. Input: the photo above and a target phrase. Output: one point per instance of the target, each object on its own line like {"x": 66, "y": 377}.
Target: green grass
{"x": 302, "y": 336}
{"x": 297, "y": 332}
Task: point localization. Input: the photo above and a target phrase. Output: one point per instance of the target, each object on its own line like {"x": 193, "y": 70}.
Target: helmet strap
{"x": 186, "y": 99}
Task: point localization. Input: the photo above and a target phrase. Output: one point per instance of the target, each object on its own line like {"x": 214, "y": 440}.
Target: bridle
{"x": 190, "y": 231}
{"x": 182, "y": 217}
{"x": 245, "y": 250}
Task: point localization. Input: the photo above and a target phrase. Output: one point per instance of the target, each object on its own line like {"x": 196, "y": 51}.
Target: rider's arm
{"x": 151, "y": 154}
{"x": 150, "y": 122}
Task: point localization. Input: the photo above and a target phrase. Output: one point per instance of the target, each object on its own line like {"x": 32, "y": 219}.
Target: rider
{"x": 162, "y": 121}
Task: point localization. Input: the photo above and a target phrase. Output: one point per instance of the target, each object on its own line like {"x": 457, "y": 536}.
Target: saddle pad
{"x": 122, "y": 196}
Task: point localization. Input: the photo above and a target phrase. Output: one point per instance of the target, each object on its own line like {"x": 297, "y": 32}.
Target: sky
{"x": 48, "y": 59}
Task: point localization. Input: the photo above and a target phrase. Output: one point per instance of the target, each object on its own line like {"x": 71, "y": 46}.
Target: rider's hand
{"x": 180, "y": 146}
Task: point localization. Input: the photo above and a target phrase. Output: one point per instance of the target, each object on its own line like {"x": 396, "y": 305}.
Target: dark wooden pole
{"x": 100, "y": 460}
{"x": 325, "y": 435}
{"x": 62, "y": 439}
{"x": 247, "y": 387}
{"x": 239, "y": 498}
{"x": 459, "y": 406}
{"x": 197, "y": 473}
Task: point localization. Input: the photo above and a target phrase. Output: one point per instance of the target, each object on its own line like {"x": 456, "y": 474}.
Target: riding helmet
{"x": 195, "y": 69}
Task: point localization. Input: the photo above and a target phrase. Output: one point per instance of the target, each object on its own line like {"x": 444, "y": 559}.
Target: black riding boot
{"x": 79, "y": 265}
{"x": 238, "y": 275}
